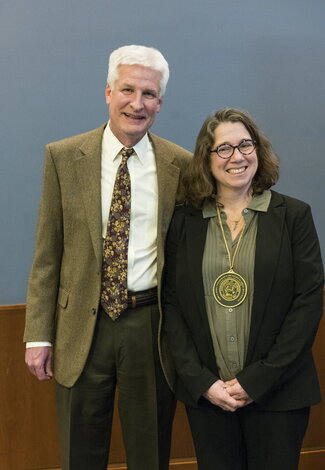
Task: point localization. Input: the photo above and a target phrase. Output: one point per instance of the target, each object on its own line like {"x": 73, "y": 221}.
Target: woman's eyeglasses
{"x": 246, "y": 147}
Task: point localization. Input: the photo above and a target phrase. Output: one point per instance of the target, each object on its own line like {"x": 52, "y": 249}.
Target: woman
{"x": 242, "y": 302}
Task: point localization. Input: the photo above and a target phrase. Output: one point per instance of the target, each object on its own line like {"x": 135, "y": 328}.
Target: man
{"x": 90, "y": 300}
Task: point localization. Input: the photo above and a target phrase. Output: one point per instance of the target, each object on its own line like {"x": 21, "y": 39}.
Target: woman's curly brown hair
{"x": 199, "y": 182}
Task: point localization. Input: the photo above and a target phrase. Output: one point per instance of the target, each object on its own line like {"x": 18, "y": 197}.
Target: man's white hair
{"x": 138, "y": 55}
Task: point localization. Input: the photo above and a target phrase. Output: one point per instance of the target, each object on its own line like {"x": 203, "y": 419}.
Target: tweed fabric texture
{"x": 70, "y": 219}
{"x": 114, "y": 298}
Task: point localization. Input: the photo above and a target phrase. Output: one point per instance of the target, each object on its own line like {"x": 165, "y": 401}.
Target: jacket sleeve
{"x": 193, "y": 378}
{"x": 293, "y": 341}
{"x": 45, "y": 272}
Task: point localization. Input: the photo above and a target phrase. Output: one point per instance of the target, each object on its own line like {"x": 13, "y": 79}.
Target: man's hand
{"x": 218, "y": 395}
{"x": 237, "y": 392}
{"x": 39, "y": 361}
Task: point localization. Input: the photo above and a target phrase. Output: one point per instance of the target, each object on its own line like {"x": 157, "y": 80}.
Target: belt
{"x": 142, "y": 297}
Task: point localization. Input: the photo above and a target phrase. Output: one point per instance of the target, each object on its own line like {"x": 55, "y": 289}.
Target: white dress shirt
{"x": 142, "y": 251}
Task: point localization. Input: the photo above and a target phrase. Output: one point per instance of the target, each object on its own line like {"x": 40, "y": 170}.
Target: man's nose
{"x": 137, "y": 101}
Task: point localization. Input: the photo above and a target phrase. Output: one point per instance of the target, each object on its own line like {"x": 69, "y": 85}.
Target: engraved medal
{"x": 230, "y": 288}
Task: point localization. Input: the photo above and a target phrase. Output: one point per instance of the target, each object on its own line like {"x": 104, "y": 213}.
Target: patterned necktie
{"x": 114, "y": 296}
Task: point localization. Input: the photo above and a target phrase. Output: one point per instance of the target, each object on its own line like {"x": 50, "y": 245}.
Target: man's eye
{"x": 150, "y": 94}
{"x": 127, "y": 91}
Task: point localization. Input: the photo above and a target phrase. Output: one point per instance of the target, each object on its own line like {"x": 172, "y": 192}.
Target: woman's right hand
{"x": 217, "y": 395}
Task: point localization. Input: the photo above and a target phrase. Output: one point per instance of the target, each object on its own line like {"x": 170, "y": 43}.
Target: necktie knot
{"x": 126, "y": 153}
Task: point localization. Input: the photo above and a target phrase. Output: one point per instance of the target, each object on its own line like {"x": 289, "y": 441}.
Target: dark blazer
{"x": 65, "y": 279}
{"x": 279, "y": 372}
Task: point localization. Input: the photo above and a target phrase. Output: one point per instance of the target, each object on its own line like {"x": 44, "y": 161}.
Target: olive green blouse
{"x": 230, "y": 326}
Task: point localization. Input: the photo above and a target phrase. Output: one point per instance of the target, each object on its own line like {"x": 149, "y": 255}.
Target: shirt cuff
{"x": 37, "y": 344}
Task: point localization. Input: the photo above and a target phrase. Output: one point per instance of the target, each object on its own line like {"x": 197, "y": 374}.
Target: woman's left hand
{"x": 236, "y": 391}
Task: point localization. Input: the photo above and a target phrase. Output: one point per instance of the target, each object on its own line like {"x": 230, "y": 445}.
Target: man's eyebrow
{"x": 151, "y": 90}
{"x": 126, "y": 85}
{"x": 145, "y": 90}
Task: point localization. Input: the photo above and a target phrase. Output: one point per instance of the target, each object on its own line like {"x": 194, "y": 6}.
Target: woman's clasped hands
{"x": 228, "y": 395}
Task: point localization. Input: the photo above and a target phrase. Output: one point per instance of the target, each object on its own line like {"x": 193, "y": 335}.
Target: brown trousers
{"x": 124, "y": 355}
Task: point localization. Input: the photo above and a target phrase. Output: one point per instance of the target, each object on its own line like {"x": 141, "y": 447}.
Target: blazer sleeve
{"x": 291, "y": 349}
{"x": 193, "y": 377}
{"x": 45, "y": 272}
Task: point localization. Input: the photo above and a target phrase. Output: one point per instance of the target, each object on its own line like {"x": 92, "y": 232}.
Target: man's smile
{"x": 134, "y": 116}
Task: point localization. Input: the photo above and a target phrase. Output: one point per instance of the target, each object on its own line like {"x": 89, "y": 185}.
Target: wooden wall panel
{"x": 28, "y": 435}
{"x": 27, "y": 429}
{"x": 315, "y": 436}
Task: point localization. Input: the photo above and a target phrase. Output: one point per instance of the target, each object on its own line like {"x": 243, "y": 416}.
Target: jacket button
{"x": 94, "y": 311}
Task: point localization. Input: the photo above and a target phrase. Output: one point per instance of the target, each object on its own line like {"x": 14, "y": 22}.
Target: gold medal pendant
{"x": 230, "y": 289}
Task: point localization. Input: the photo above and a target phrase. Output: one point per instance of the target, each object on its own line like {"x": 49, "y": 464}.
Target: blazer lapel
{"x": 196, "y": 231}
{"x": 268, "y": 242}
{"x": 88, "y": 168}
{"x": 168, "y": 177}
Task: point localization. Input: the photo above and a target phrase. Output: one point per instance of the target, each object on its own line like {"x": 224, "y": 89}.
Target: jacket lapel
{"x": 88, "y": 169}
{"x": 268, "y": 242}
{"x": 168, "y": 178}
{"x": 196, "y": 231}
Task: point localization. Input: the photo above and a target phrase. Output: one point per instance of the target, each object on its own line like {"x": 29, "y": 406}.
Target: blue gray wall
{"x": 266, "y": 57}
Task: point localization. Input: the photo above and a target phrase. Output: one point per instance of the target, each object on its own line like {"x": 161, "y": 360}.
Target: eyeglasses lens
{"x": 245, "y": 148}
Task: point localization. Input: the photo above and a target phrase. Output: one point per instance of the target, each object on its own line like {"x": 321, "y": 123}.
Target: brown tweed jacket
{"x": 65, "y": 279}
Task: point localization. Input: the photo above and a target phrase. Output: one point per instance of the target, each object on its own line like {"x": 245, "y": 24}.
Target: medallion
{"x": 230, "y": 289}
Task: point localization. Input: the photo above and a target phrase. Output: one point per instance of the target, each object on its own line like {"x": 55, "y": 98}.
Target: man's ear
{"x": 160, "y": 102}
{"x": 108, "y": 92}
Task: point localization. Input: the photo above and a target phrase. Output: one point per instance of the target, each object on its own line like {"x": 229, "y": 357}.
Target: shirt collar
{"x": 259, "y": 203}
{"x": 112, "y": 147}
